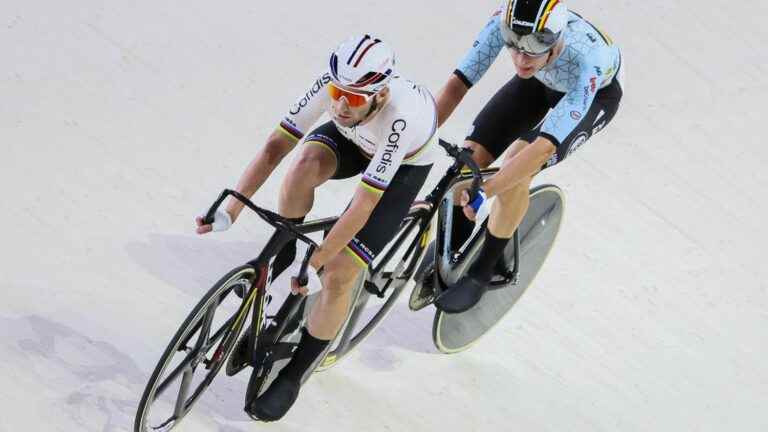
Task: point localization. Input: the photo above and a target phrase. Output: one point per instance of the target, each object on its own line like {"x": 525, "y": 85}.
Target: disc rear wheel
{"x": 456, "y": 332}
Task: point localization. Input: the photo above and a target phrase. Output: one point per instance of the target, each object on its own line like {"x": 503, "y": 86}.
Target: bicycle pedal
{"x": 425, "y": 295}
{"x": 373, "y": 289}
{"x": 507, "y": 279}
{"x": 421, "y": 303}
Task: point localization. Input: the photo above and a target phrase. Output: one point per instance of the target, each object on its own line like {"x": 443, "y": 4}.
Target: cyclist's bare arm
{"x": 277, "y": 147}
{"x": 349, "y": 224}
{"x": 258, "y": 171}
{"x": 449, "y": 98}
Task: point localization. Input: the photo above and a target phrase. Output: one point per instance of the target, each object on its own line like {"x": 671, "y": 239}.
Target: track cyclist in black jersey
{"x": 567, "y": 87}
{"x": 383, "y": 127}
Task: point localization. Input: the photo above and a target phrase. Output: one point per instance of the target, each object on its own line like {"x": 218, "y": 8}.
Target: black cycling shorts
{"x": 393, "y": 205}
{"x": 518, "y": 109}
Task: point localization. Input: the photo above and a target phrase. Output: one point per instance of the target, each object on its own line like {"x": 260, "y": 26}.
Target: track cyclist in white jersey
{"x": 383, "y": 127}
{"x": 567, "y": 87}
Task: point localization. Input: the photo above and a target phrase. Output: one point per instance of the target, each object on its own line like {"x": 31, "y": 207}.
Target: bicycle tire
{"x": 227, "y": 333}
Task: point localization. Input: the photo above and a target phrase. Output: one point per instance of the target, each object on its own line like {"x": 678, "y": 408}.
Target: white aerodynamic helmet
{"x": 533, "y": 27}
{"x": 364, "y": 63}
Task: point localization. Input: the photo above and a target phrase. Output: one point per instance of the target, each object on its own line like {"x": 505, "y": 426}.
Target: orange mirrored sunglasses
{"x": 353, "y": 99}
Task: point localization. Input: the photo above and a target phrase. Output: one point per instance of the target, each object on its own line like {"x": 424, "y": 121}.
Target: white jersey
{"x": 404, "y": 130}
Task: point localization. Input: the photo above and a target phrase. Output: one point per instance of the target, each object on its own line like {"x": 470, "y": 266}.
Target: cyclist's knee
{"x": 515, "y": 148}
{"x": 315, "y": 164}
{"x": 515, "y": 195}
{"x": 340, "y": 273}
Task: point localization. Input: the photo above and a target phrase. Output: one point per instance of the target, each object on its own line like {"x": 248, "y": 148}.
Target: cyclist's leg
{"x": 326, "y": 317}
{"x": 516, "y": 108}
{"x": 316, "y": 164}
{"x": 327, "y": 154}
{"x": 329, "y": 312}
{"x": 330, "y": 309}
{"x": 511, "y": 205}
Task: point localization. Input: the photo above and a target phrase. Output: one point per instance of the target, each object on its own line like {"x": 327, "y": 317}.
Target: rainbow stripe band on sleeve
{"x": 323, "y": 141}
{"x": 359, "y": 253}
{"x": 290, "y": 131}
{"x": 373, "y": 185}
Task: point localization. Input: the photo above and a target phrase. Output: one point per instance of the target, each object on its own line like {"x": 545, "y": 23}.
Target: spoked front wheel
{"x": 197, "y": 351}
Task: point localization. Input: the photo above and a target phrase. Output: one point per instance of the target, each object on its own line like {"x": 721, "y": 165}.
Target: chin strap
{"x": 374, "y": 106}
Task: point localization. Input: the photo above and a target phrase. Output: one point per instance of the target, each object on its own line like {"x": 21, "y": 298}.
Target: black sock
{"x": 287, "y": 254}
{"x": 485, "y": 264}
{"x": 461, "y": 228}
{"x": 307, "y": 352}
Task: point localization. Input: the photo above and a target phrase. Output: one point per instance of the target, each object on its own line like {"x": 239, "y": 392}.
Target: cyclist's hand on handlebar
{"x": 313, "y": 283}
{"x": 221, "y": 222}
{"x": 478, "y": 208}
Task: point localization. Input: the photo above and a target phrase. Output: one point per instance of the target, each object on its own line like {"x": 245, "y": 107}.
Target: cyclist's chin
{"x": 346, "y": 121}
{"x": 525, "y": 72}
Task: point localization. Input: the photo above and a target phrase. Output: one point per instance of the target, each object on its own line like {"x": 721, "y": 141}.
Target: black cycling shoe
{"x": 462, "y": 296}
{"x": 276, "y": 401}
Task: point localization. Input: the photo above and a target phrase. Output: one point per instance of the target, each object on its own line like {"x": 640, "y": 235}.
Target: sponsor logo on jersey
{"x": 377, "y": 178}
{"x": 577, "y": 142}
{"x": 552, "y": 160}
{"x": 390, "y": 147}
{"x": 598, "y": 127}
{"x": 361, "y": 250}
{"x": 575, "y": 115}
{"x": 591, "y": 88}
{"x": 592, "y": 37}
{"x": 598, "y": 71}
{"x": 316, "y": 87}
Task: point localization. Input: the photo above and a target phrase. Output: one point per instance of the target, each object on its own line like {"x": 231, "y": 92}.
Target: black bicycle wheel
{"x": 367, "y": 309}
{"x": 205, "y": 338}
{"x": 456, "y": 332}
